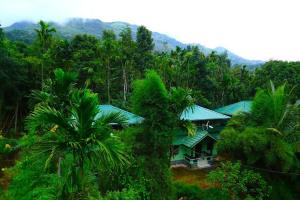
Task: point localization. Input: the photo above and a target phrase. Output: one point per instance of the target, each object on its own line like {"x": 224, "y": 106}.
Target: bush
{"x": 193, "y": 192}
{"x": 190, "y": 192}
{"x": 239, "y": 182}
{"x": 125, "y": 194}
{"x": 215, "y": 194}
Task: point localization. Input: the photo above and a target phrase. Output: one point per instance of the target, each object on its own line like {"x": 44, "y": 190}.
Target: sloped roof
{"x": 232, "y": 109}
{"x": 198, "y": 113}
{"x": 131, "y": 118}
{"x": 191, "y": 141}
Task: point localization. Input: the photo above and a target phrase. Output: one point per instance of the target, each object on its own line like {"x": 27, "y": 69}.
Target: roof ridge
{"x": 121, "y": 110}
{"x": 212, "y": 111}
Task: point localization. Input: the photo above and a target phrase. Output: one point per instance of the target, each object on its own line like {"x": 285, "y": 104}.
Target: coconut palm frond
{"x": 44, "y": 115}
{"x": 274, "y": 130}
{"x": 41, "y": 96}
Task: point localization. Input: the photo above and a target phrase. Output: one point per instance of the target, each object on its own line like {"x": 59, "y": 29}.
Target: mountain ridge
{"x": 24, "y": 31}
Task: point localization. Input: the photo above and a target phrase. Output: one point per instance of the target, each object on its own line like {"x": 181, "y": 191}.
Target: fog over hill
{"x": 24, "y": 31}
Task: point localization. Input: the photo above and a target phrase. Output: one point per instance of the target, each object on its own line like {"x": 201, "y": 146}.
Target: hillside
{"x": 24, "y": 31}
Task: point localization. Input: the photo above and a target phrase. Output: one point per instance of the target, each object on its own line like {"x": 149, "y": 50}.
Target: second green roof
{"x": 232, "y": 109}
{"x": 131, "y": 118}
{"x": 198, "y": 113}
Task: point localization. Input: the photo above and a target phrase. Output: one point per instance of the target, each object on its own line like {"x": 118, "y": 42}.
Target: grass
{"x": 191, "y": 176}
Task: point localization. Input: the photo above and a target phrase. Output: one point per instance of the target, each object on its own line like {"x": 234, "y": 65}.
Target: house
{"x": 131, "y": 119}
{"x": 198, "y": 151}
{"x": 233, "y": 109}
{"x": 195, "y": 151}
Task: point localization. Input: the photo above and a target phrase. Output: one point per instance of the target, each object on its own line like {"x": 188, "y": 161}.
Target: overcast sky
{"x": 254, "y": 29}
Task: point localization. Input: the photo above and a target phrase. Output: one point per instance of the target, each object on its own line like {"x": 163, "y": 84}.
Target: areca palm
{"x": 44, "y": 40}
{"x": 83, "y": 138}
{"x": 56, "y": 92}
{"x": 45, "y": 35}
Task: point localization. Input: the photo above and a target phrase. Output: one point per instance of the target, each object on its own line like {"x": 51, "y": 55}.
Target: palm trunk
{"x": 125, "y": 85}
{"x": 59, "y": 166}
{"x": 42, "y": 86}
{"x": 108, "y": 83}
{"x": 188, "y": 74}
{"x": 16, "y": 117}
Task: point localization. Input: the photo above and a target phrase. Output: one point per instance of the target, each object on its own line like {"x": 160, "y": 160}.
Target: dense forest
{"x": 52, "y": 145}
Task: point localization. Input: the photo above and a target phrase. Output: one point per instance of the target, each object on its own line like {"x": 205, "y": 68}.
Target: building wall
{"x": 181, "y": 153}
{"x": 183, "y": 150}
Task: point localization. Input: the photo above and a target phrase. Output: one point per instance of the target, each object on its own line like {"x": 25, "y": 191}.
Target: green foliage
{"x": 240, "y": 183}
{"x": 64, "y": 132}
{"x": 280, "y": 72}
{"x": 144, "y": 48}
{"x": 30, "y": 182}
{"x": 82, "y": 136}
{"x": 57, "y": 91}
{"x": 44, "y": 35}
{"x": 74, "y": 142}
{"x": 282, "y": 188}
{"x": 263, "y": 139}
{"x": 193, "y": 192}
{"x": 161, "y": 110}
{"x": 152, "y": 92}
{"x": 7, "y": 145}
{"x": 135, "y": 191}
{"x": 266, "y": 138}
{"x": 150, "y": 100}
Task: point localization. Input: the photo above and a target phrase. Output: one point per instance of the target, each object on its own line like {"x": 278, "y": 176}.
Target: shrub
{"x": 190, "y": 192}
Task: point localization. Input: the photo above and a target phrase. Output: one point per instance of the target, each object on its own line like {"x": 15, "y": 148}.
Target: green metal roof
{"x": 191, "y": 141}
{"x": 131, "y": 118}
{"x": 198, "y": 113}
{"x": 232, "y": 109}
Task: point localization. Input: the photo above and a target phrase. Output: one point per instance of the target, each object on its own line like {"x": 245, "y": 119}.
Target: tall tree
{"x": 14, "y": 84}
{"x": 85, "y": 53}
{"x": 44, "y": 33}
{"x": 110, "y": 53}
{"x": 161, "y": 110}
{"x": 279, "y": 72}
{"x": 128, "y": 52}
{"x": 145, "y": 47}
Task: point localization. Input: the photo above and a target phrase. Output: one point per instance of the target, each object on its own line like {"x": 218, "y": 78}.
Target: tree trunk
{"x": 125, "y": 85}
{"x": 59, "y": 166}
{"x": 108, "y": 82}
{"x": 16, "y": 117}
{"x": 42, "y": 86}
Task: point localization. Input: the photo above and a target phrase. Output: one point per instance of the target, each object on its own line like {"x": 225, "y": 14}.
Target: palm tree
{"x": 45, "y": 35}
{"x": 272, "y": 108}
{"x": 44, "y": 39}
{"x": 57, "y": 90}
{"x": 83, "y": 139}
{"x": 268, "y": 134}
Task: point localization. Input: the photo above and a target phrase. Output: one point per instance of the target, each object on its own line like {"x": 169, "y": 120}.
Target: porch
{"x": 200, "y": 162}
{"x": 194, "y": 152}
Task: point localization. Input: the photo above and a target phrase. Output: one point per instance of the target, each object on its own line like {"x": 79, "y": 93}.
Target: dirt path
{"x": 191, "y": 176}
